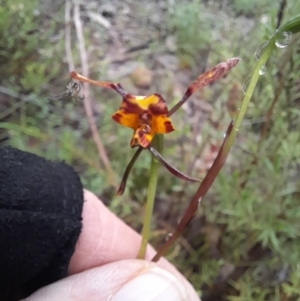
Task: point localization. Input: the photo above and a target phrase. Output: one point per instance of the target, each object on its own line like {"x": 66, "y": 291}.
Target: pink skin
{"x": 104, "y": 260}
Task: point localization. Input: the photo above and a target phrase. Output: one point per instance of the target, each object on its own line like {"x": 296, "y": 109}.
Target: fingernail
{"x": 153, "y": 284}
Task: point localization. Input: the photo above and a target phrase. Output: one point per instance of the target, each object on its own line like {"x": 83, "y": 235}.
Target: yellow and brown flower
{"x": 149, "y": 115}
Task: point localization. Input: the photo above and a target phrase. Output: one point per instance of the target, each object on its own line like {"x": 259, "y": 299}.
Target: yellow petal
{"x": 126, "y": 119}
{"x": 161, "y": 125}
{"x": 154, "y": 103}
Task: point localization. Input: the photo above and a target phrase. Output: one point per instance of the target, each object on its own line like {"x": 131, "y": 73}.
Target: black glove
{"x": 40, "y": 221}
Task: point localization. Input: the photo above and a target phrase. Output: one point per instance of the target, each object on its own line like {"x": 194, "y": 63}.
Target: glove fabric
{"x": 40, "y": 221}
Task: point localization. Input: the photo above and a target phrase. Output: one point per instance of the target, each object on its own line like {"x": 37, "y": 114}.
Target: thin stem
{"x": 249, "y": 92}
{"x": 292, "y": 26}
{"x": 150, "y": 200}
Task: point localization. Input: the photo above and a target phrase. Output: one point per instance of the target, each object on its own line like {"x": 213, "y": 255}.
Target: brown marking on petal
{"x": 161, "y": 124}
{"x": 169, "y": 126}
{"x": 160, "y": 98}
{"x": 145, "y": 101}
{"x": 117, "y": 117}
{"x": 159, "y": 108}
{"x": 134, "y": 142}
{"x": 126, "y": 119}
{"x": 140, "y": 134}
{"x": 141, "y": 140}
{"x": 129, "y": 105}
{"x": 144, "y": 142}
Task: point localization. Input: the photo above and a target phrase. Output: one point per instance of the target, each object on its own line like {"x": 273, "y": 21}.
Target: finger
{"x": 127, "y": 280}
{"x": 105, "y": 238}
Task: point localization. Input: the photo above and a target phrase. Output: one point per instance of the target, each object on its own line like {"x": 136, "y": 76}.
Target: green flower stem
{"x": 292, "y": 26}
{"x": 248, "y": 93}
{"x": 158, "y": 144}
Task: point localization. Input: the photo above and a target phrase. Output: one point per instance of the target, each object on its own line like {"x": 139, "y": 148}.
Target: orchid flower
{"x": 149, "y": 115}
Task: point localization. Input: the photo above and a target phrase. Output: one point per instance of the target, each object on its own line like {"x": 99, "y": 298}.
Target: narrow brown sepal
{"x": 127, "y": 171}
{"x": 171, "y": 168}
{"x": 207, "y": 78}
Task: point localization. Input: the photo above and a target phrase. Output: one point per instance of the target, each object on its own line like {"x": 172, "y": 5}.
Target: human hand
{"x": 103, "y": 268}
{"x": 41, "y": 205}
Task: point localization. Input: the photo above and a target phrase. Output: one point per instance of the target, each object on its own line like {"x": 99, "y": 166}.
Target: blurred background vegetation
{"x": 244, "y": 243}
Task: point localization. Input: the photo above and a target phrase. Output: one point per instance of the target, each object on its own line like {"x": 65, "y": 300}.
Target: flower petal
{"x": 142, "y": 136}
{"x": 161, "y": 125}
{"x": 154, "y": 103}
{"x": 131, "y": 105}
{"x": 126, "y": 119}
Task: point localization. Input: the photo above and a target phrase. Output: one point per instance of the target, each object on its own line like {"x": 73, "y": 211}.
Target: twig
{"x": 68, "y": 47}
{"x": 86, "y": 101}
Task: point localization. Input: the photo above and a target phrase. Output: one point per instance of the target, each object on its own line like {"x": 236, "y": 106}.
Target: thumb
{"x": 125, "y": 280}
